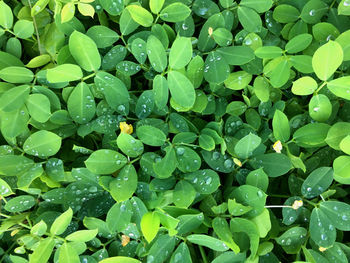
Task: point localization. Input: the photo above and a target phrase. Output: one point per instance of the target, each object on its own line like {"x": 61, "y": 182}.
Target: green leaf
{"x": 337, "y": 133}
{"x": 245, "y": 146}
{"x": 317, "y": 182}
{"x": 238, "y": 80}
{"x": 338, "y": 213}
{"x": 102, "y": 36}
{"x": 208, "y": 241}
{"x": 119, "y": 216}
{"x": 161, "y": 249}
{"x": 140, "y": 15}
{"x": 304, "y": 86}
{"x": 340, "y": 87}
{"x": 43, "y": 251}
{"x": 320, "y": 108}
{"x": 188, "y": 160}
{"x": 311, "y": 135}
{"x": 280, "y": 125}
{"x": 151, "y": 135}
{"x": 268, "y": 52}
{"x": 42, "y": 143}
{"x": 67, "y": 253}
{"x": 345, "y": 144}
{"x": 156, "y": 5}
{"x": 11, "y": 165}
{"x": 285, "y": 13}
{"x": 184, "y": 194}
{"x": 129, "y": 145}
{"x": 341, "y": 167}
{"x": 222, "y": 37}
{"x": 84, "y": 51}
{"x": 181, "y": 89}
{"x": 81, "y": 104}
{"x": 204, "y": 181}
{"x": 61, "y": 223}
{"x": 298, "y": 43}
{"x": 182, "y": 253}
{"x": 292, "y": 239}
{"x": 14, "y": 98}
{"x": 250, "y": 196}
{"x": 327, "y": 59}
{"x": 114, "y": 91}
{"x": 263, "y": 223}
{"x": 257, "y": 5}
{"x": 124, "y": 186}
{"x": 38, "y": 106}
{"x": 166, "y": 166}
{"x": 343, "y": 40}
{"x": 222, "y": 230}
{"x": 248, "y": 227}
{"x": 64, "y": 73}
{"x": 258, "y": 178}
{"x": 156, "y": 54}
{"x": 5, "y": 189}
{"x": 216, "y": 69}
{"x": 113, "y": 8}
{"x": 161, "y": 91}
{"x": 20, "y": 203}
{"x": 120, "y": 259}
{"x": 189, "y": 223}
{"x": 105, "y": 161}
{"x": 6, "y": 17}
{"x": 175, "y": 12}
{"x": 16, "y": 75}
{"x": 180, "y": 53}
{"x": 23, "y": 29}
{"x": 150, "y": 225}
{"x": 249, "y": 19}
{"x": 82, "y": 235}
{"x": 313, "y": 11}
{"x": 274, "y": 164}
{"x": 322, "y": 230}
{"x": 237, "y": 55}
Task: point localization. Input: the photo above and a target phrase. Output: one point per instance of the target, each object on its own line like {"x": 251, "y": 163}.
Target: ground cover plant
{"x": 174, "y": 131}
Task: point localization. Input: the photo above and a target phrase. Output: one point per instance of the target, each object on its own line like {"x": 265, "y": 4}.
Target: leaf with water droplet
{"x": 317, "y": 182}
{"x": 322, "y": 230}
{"x": 250, "y": 196}
{"x": 105, "y": 161}
{"x": 124, "y": 186}
{"x": 338, "y": 213}
{"x": 245, "y": 146}
{"x": 292, "y": 239}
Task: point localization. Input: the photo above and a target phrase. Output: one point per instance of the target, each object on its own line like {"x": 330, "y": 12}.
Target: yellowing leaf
{"x": 67, "y": 12}
{"x": 86, "y": 9}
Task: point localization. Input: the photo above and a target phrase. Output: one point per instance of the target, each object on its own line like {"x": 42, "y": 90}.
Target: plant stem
{"x": 36, "y": 30}
{"x": 204, "y": 257}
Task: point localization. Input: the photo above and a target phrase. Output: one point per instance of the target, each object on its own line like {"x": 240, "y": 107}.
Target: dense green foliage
{"x": 174, "y": 131}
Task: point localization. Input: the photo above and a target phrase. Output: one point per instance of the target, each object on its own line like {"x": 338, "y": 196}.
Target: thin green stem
{"x": 36, "y": 30}
{"x": 204, "y": 257}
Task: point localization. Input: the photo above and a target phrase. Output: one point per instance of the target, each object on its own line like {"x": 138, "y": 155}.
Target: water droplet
{"x": 228, "y": 163}
{"x": 312, "y": 12}
{"x": 184, "y": 26}
{"x": 216, "y": 155}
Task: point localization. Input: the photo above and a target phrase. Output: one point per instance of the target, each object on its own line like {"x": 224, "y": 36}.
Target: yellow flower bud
{"x": 322, "y": 249}
{"x": 237, "y": 162}
{"x": 125, "y": 240}
{"x": 277, "y": 146}
{"x": 297, "y": 204}
{"x": 125, "y": 128}
{"x": 210, "y": 31}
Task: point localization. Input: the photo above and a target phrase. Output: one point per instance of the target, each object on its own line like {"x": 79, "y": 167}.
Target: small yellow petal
{"x": 297, "y": 204}
{"x": 322, "y": 249}
{"x": 237, "y": 162}
{"x": 125, "y": 240}
{"x": 277, "y": 146}
{"x": 210, "y": 31}
{"x": 126, "y": 128}
{"x": 14, "y": 232}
